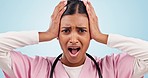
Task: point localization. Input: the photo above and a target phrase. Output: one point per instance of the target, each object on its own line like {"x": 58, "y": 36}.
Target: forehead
{"x": 74, "y": 20}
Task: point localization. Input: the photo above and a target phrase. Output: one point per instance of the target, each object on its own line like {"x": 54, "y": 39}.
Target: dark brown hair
{"x": 75, "y": 6}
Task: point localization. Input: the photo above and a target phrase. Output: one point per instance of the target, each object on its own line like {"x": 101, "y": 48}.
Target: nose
{"x": 74, "y": 38}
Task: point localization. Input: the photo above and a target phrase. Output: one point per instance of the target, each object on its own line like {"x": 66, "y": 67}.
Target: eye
{"x": 65, "y": 30}
{"x": 81, "y": 30}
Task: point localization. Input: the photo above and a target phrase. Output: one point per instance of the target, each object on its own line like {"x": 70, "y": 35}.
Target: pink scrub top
{"x": 113, "y": 66}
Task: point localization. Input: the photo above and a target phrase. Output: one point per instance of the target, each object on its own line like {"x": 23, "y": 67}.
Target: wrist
{"x": 102, "y": 38}
{"x": 45, "y": 36}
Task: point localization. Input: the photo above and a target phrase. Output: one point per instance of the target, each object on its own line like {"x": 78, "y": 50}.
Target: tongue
{"x": 74, "y": 51}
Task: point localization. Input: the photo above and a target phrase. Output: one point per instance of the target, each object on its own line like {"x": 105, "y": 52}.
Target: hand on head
{"x": 55, "y": 19}
{"x": 93, "y": 21}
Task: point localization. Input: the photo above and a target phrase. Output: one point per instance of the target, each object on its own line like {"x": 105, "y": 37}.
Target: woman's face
{"x": 74, "y": 38}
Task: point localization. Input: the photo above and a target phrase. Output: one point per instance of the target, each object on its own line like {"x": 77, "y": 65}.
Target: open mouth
{"x": 73, "y": 50}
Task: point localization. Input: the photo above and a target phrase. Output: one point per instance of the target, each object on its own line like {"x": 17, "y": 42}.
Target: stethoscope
{"x": 56, "y": 60}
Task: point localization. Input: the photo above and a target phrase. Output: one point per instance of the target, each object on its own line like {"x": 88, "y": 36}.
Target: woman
{"x": 74, "y": 23}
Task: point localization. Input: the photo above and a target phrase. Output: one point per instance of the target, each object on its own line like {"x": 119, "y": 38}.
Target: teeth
{"x": 70, "y": 49}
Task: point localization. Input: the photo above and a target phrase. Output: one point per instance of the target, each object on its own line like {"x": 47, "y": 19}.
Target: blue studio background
{"x": 125, "y": 17}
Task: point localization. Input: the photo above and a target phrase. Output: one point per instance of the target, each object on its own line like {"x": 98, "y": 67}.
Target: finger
{"x": 59, "y": 18}
{"x": 87, "y": 7}
{"x": 63, "y": 0}
{"x": 91, "y": 12}
{"x": 89, "y": 3}
{"x": 92, "y": 18}
{"x": 88, "y": 11}
{"x": 85, "y": 2}
{"x": 60, "y": 13}
{"x": 91, "y": 7}
{"x": 59, "y": 7}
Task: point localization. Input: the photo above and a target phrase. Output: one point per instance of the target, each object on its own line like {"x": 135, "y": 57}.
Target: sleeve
{"x": 135, "y": 47}
{"x": 13, "y": 40}
{"x": 29, "y": 67}
{"x": 117, "y": 66}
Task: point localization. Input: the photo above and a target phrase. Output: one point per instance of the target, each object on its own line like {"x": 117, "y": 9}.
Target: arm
{"x": 135, "y": 47}
{"x": 93, "y": 22}
{"x": 53, "y": 30}
{"x": 13, "y": 40}
{"x": 45, "y": 36}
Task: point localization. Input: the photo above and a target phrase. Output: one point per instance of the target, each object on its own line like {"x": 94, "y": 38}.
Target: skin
{"x": 74, "y": 32}
{"x": 74, "y": 37}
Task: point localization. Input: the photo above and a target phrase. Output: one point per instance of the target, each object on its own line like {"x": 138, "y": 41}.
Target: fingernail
{"x": 65, "y": 2}
{"x": 87, "y": 6}
{"x": 85, "y": 1}
{"x": 65, "y": 7}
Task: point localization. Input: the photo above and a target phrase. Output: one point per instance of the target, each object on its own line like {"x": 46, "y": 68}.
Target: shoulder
{"x": 24, "y": 65}
{"x": 20, "y": 59}
{"x": 119, "y": 64}
{"x": 115, "y": 58}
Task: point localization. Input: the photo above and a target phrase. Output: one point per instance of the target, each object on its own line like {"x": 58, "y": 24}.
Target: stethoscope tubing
{"x": 56, "y": 60}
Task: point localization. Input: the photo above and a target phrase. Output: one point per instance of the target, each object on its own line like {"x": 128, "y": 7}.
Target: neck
{"x": 70, "y": 64}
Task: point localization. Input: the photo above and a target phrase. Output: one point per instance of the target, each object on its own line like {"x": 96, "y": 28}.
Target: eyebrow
{"x": 66, "y": 27}
{"x": 81, "y": 27}
{"x": 76, "y": 27}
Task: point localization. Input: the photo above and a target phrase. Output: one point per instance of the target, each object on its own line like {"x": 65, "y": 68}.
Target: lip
{"x": 75, "y": 48}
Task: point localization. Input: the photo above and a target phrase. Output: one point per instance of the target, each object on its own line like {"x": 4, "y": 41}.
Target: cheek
{"x": 85, "y": 40}
{"x": 85, "y": 45}
{"x": 63, "y": 41}
{"x": 87, "y": 36}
